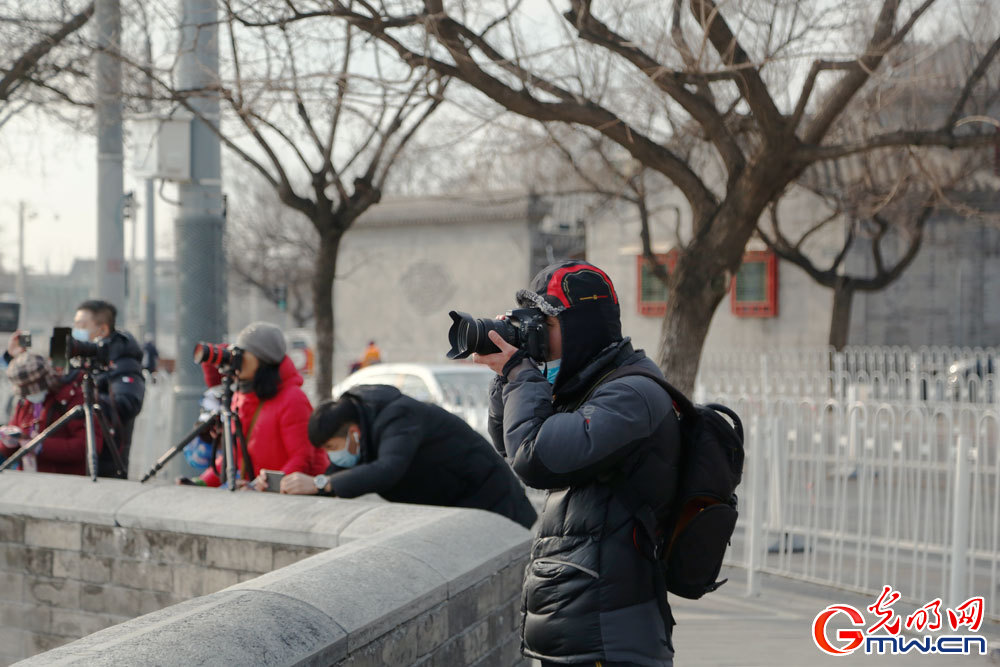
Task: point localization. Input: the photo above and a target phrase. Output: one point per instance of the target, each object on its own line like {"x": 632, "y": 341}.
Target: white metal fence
{"x": 867, "y": 468}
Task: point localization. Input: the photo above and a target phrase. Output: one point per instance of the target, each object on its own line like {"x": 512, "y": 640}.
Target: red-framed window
{"x": 754, "y": 290}
{"x": 652, "y": 293}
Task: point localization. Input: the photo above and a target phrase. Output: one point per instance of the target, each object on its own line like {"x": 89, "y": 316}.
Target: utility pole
{"x": 201, "y": 294}
{"x": 149, "y": 281}
{"x": 110, "y": 279}
{"x": 21, "y": 214}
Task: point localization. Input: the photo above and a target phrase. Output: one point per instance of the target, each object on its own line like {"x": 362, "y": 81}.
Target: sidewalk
{"x": 727, "y": 629}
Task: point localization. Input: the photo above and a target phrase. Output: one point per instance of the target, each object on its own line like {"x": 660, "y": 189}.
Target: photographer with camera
{"x": 591, "y": 595}
{"x": 380, "y": 441}
{"x": 43, "y": 397}
{"x": 118, "y": 372}
{"x": 271, "y": 406}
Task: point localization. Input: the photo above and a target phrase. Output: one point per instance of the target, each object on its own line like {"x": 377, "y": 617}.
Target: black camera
{"x": 523, "y": 328}
{"x": 99, "y": 352}
{"x": 219, "y": 355}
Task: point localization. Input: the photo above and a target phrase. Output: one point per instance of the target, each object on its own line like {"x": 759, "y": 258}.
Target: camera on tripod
{"x": 80, "y": 351}
{"x": 222, "y": 356}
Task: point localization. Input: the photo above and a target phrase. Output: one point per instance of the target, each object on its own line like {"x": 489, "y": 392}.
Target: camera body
{"x": 98, "y": 354}
{"x": 220, "y": 355}
{"x": 24, "y": 340}
{"x": 523, "y": 328}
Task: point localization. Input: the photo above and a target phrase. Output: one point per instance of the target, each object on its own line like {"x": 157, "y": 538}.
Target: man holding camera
{"x": 120, "y": 385}
{"x": 381, "y": 441}
{"x": 590, "y": 595}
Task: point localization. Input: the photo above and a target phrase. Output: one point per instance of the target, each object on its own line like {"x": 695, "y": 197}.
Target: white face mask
{"x": 37, "y": 397}
{"x": 343, "y": 457}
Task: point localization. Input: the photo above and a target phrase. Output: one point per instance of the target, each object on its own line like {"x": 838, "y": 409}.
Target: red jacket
{"x": 65, "y": 451}
{"x": 279, "y": 439}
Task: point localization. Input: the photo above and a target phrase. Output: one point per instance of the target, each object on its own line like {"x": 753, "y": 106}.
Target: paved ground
{"x": 728, "y": 629}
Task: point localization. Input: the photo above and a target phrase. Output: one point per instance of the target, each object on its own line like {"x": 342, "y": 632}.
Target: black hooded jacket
{"x": 414, "y": 452}
{"x": 589, "y": 594}
{"x": 123, "y": 388}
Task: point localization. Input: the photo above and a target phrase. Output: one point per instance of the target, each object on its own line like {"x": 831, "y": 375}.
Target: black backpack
{"x": 688, "y": 537}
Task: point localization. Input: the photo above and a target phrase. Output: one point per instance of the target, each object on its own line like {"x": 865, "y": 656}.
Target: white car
{"x": 461, "y": 388}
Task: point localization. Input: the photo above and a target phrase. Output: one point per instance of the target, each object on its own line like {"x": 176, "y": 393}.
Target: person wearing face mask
{"x": 379, "y": 441}
{"x": 591, "y": 596}
{"x": 273, "y": 410}
{"x": 122, "y": 386}
{"x": 44, "y": 397}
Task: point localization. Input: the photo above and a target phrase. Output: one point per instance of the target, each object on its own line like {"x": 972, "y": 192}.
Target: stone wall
{"x": 247, "y": 577}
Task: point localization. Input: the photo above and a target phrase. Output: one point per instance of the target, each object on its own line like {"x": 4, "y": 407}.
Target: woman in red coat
{"x": 272, "y": 408}
{"x": 43, "y": 398}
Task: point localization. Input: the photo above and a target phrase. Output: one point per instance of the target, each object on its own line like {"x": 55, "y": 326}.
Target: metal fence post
{"x": 960, "y": 523}
{"x": 754, "y": 543}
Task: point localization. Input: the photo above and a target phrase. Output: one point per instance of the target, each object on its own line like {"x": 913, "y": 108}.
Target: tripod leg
{"x": 88, "y": 416}
{"x": 230, "y": 453}
{"x": 176, "y": 449}
{"x": 108, "y": 434}
{"x": 33, "y": 444}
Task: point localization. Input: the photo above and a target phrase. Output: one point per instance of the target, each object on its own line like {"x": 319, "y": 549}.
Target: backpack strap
{"x": 683, "y": 404}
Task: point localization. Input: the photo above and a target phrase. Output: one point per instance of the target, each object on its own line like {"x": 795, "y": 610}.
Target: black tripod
{"x": 228, "y": 419}
{"x": 92, "y": 412}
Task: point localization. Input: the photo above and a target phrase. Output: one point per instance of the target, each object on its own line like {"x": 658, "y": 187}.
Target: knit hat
{"x": 264, "y": 340}
{"x": 329, "y": 418}
{"x": 584, "y": 300}
{"x": 30, "y": 374}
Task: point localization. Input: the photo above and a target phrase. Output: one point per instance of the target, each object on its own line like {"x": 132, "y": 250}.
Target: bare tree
{"x": 885, "y": 219}
{"x": 40, "y": 59}
{"x": 880, "y": 202}
{"x": 272, "y": 248}
{"x": 731, "y": 134}
{"x": 322, "y": 114}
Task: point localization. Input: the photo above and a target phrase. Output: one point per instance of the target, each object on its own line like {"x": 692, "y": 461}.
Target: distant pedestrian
{"x": 372, "y": 355}
{"x": 150, "y": 355}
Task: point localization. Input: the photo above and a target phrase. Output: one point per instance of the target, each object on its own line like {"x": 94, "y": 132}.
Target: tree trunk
{"x": 322, "y": 286}
{"x": 690, "y": 309}
{"x": 840, "y": 319}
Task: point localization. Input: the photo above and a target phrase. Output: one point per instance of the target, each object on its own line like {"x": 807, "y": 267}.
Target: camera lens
{"x": 469, "y": 335}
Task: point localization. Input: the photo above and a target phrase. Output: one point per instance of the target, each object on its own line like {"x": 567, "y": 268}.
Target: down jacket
{"x": 65, "y": 451}
{"x": 414, "y": 452}
{"x": 279, "y": 438}
{"x": 588, "y": 592}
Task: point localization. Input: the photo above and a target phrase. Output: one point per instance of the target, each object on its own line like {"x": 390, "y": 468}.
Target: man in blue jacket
{"x": 590, "y": 595}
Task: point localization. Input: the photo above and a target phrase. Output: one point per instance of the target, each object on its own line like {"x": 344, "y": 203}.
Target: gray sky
{"x": 54, "y": 170}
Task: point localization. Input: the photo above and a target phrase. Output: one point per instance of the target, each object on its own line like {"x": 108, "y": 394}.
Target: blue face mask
{"x": 343, "y": 457}
{"x": 552, "y": 370}
{"x": 81, "y": 335}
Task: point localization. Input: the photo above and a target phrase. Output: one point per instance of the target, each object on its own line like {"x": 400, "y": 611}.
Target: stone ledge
{"x": 293, "y": 520}
{"x": 317, "y": 610}
{"x": 226, "y": 628}
{"x": 395, "y": 564}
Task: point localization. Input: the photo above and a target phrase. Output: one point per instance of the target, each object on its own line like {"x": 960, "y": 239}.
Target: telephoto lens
{"x": 469, "y": 335}
{"x": 218, "y": 354}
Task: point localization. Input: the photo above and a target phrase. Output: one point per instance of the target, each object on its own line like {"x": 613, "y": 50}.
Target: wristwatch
{"x": 321, "y": 481}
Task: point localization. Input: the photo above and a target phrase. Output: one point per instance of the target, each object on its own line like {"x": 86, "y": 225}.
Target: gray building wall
{"x": 949, "y": 295}
{"x": 408, "y": 262}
